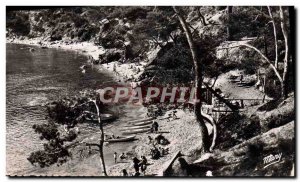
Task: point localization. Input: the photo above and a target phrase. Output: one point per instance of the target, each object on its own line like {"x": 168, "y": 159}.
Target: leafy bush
{"x": 134, "y": 12}
{"x": 79, "y": 21}
{"x": 53, "y": 153}
{"x": 235, "y": 128}
{"x": 66, "y": 112}
{"x": 47, "y": 131}
{"x": 18, "y": 23}
{"x": 270, "y": 105}
{"x": 111, "y": 56}
{"x": 275, "y": 121}
{"x": 272, "y": 87}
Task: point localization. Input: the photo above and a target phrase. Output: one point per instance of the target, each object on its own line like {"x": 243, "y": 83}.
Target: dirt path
{"x": 232, "y": 90}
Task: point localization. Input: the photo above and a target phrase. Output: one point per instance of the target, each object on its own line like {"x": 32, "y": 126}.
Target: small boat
{"x": 103, "y": 117}
{"x": 135, "y": 127}
{"x": 142, "y": 123}
{"x": 31, "y": 49}
{"x": 234, "y": 81}
{"x": 121, "y": 139}
{"x": 135, "y": 131}
{"x": 164, "y": 118}
{"x": 233, "y": 77}
{"x": 140, "y": 120}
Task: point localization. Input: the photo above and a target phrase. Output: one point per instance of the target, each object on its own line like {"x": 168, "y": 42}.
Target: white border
{"x": 4, "y": 3}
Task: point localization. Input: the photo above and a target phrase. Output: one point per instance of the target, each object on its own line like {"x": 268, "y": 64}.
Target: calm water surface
{"x": 32, "y": 80}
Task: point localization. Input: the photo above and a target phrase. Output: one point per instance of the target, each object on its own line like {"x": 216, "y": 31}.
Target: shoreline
{"x": 121, "y": 72}
{"x": 86, "y": 48}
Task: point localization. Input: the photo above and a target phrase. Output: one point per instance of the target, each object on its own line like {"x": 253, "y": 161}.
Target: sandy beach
{"x": 122, "y": 72}
{"x": 86, "y": 48}
{"x": 182, "y": 136}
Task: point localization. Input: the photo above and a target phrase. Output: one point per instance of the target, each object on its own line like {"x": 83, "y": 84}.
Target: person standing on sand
{"x": 143, "y": 168}
{"x": 114, "y": 68}
{"x": 174, "y": 116}
{"x": 241, "y": 78}
{"x": 155, "y": 126}
{"x": 143, "y": 164}
{"x": 136, "y": 162}
{"x": 124, "y": 172}
{"x": 115, "y": 157}
{"x": 150, "y": 140}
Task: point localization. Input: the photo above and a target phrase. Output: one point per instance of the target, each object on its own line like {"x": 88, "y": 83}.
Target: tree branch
{"x": 265, "y": 58}
{"x": 211, "y": 120}
{"x": 202, "y": 17}
{"x": 215, "y": 80}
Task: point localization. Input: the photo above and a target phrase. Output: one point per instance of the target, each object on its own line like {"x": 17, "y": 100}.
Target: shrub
{"x": 133, "y": 12}
{"x": 19, "y": 23}
{"x": 278, "y": 120}
{"x": 239, "y": 126}
{"x": 272, "y": 87}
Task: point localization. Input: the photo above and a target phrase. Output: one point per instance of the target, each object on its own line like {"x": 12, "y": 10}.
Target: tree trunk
{"x": 229, "y": 32}
{"x": 101, "y": 140}
{"x": 173, "y": 38}
{"x": 266, "y": 44}
{"x": 292, "y": 67}
{"x": 284, "y": 85}
{"x": 275, "y": 36}
{"x": 198, "y": 81}
{"x": 211, "y": 120}
{"x": 266, "y": 59}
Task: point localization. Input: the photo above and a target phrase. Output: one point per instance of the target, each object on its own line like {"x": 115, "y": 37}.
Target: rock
{"x": 247, "y": 158}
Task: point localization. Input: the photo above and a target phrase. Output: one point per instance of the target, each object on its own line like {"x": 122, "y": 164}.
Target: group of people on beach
{"x": 139, "y": 165}
{"x": 121, "y": 157}
{"x": 157, "y": 152}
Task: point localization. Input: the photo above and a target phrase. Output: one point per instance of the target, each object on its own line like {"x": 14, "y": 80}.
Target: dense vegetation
{"x": 134, "y": 31}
